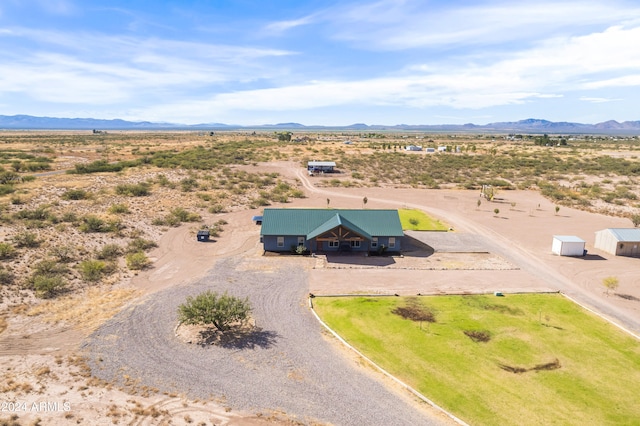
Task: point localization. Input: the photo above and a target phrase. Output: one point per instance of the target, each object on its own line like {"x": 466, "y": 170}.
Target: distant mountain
{"x": 28, "y": 122}
{"x": 530, "y": 125}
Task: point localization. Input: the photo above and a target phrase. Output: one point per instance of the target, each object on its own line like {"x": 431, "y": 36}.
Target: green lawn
{"x": 417, "y": 220}
{"x": 596, "y": 379}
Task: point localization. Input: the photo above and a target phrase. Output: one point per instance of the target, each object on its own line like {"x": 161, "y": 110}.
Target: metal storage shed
{"x": 619, "y": 241}
{"x": 568, "y": 245}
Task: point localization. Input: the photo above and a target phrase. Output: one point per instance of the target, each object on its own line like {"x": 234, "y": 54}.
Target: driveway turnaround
{"x": 286, "y": 365}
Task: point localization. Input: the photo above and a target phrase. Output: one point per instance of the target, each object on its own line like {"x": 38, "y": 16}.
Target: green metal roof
{"x": 313, "y": 222}
{"x": 333, "y": 223}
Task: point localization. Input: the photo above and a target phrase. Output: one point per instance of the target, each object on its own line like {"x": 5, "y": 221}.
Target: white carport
{"x": 567, "y": 245}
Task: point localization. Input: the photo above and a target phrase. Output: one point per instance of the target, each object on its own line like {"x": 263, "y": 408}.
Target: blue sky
{"x": 321, "y": 62}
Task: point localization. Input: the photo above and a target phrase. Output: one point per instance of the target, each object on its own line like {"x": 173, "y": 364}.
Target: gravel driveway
{"x": 287, "y": 366}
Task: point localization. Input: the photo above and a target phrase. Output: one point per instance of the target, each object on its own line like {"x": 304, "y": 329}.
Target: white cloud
{"x": 597, "y": 100}
{"x": 282, "y": 26}
{"x": 392, "y": 25}
{"x": 549, "y": 71}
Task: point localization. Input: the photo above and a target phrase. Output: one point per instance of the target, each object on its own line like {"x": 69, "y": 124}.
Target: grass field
{"x": 545, "y": 360}
{"x": 417, "y": 220}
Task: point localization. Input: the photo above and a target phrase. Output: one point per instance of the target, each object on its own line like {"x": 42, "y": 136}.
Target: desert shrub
{"x": 69, "y": 216}
{"x": 159, "y": 221}
{"x": 92, "y": 270}
{"x": 188, "y": 184}
{"x": 109, "y": 252}
{"x": 133, "y": 190}
{"x": 101, "y": 166}
{"x": 297, "y": 193}
{"x": 184, "y": 216}
{"x": 9, "y": 177}
{"x": 49, "y": 267}
{"x": 217, "y": 208}
{"x": 26, "y": 239}
{"x": 91, "y": 223}
{"x": 39, "y": 213}
{"x": 261, "y": 202}
{"x": 6, "y": 189}
{"x": 76, "y": 194}
{"x": 163, "y": 180}
{"x": 7, "y": 251}
{"x": 48, "y": 286}
{"x": 140, "y": 244}
{"x": 137, "y": 260}
{"x": 118, "y": 209}
{"x": 64, "y": 254}
{"x": 6, "y": 277}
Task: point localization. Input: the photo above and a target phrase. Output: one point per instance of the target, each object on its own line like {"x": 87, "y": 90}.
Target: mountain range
{"x": 531, "y": 125}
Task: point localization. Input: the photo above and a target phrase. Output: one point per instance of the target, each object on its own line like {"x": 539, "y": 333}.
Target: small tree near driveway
{"x": 610, "y": 283}
{"x": 211, "y": 309}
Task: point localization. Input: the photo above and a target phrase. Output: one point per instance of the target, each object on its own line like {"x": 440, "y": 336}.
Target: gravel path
{"x": 287, "y": 366}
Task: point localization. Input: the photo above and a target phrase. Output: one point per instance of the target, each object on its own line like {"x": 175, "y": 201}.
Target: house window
{"x": 374, "y": 242}
{"x": 280, "y": 241}
{"x": 355, "y": 244}
{"x": 334, "y": 244}
{"x": 300, "y": 241}
{"x": 392, "y": 242}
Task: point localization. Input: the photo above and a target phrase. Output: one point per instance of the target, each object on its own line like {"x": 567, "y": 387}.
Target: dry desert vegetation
{"x": 91, "y": 223}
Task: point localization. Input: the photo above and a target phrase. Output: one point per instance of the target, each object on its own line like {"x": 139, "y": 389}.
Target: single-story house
{"x": 321, "y": 166}
{"x": 413, "y": 148}
{"x": 568, "y": 245}
{"x": 619, "y": 241}
{"x": 327, "y": 230}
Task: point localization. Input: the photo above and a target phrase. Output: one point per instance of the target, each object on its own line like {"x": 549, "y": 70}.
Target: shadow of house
{"x": 412, "y": 247}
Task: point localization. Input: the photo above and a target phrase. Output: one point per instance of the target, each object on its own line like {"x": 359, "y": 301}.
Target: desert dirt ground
{"x": 40, "y": 360}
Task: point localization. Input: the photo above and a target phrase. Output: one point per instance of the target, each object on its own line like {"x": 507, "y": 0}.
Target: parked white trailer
{"x": 568, "y": 245}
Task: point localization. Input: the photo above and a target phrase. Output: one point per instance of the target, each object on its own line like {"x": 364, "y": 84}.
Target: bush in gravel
{"x": 92, "y": 270}
{"x": 7, "y": 251}
{"x": 133, "y": 190}
{"x": 47, "y": 279}
{"x": 211, "y": 309}
{"x": 6, "y": 277}
{"x": 64, "y": 254}
{"x": 119, "y": 209}
{"x": 69, "y": 216}
{"x": 109, "y": 252}
{"x": 91, "y": 223}
{"x": 137, "y": 261}
{"x": 184, "y": 216}
{"x": 76, "y": 194}
{"x": 49, "y": 267}
{"x": 140, "y": 244}
{"x": 47, "y": 287}
{"x": 217, "y": 208}
{"x": 26, "y": 239}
